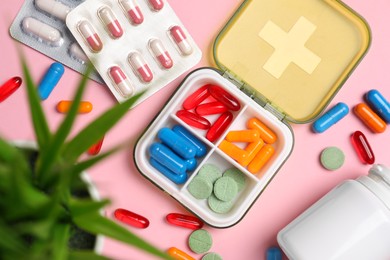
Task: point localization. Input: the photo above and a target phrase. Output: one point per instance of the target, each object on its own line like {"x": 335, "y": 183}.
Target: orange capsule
{"x": 64, "y": 105}
{"x": 252, "y": 149}
{"x": 233, "y": 150}
{"x": 266, "y": 134}
{"x": 177, "y": 254}
{"x": 261, "y": 158}
{"x": 245, "y": 136}
{"x": 369, "y": 118}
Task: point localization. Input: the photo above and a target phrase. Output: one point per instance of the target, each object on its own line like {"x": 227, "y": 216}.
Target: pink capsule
{"x": 141, "y": 67}
{"x": 9, "y": 87}
{"x": 362, "y": 148}
{"x": 196, "y": 98}
{"x": 185, "y": 221}
{"x": 224, "y": 97}
{"x": 122, "y": 83}
{"x": 211, "y": 108}
{"x": 161, "y": 53}
{"x": 131, "y": 218}
{"x": 90, "y": 36}
{"x": 111, "y": 22}
{"x": 133, "y": 11}
{"x": 193, "y": 119}
{"x": 181, "y": 40}
{"x": 95, "y": 149}
{"x": 217, "y": 129}
{"x": 156, "y": 5}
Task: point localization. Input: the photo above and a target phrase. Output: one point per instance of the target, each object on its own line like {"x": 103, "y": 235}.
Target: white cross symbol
{"x": 289, "y": 47}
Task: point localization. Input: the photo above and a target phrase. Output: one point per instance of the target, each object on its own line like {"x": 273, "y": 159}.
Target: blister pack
{"x": 40, "y": 24}
{"x": 135, "y": 46}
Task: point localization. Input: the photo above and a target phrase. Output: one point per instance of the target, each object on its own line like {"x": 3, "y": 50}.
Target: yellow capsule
{"x": 245, "y": 136}
{"x": 261, "y": 158}
{"x": 64, "y": 105}
{"x": 177, "y": 254}
{"x": 266, "y": 134}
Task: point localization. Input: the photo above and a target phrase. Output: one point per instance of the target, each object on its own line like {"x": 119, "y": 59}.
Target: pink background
{"x": 299, "y": 183}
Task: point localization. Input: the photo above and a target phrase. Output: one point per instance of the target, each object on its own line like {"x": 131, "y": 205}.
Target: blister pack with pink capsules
{"x": 134, "y": 45}
{"x": 40, "y": 24}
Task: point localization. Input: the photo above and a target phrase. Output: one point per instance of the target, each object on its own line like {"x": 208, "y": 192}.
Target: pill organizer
{"x": 283, "y": 61}
{"x": 40, "y": 24}
{"x": 134, "y": 45}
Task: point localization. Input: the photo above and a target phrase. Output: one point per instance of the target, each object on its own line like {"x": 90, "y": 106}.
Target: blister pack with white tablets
{"x": 134, "y": 45}
{"x": 40, "y": 24}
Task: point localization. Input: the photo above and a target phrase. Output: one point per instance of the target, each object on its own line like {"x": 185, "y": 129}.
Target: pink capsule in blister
{"x": 219, "y": 126}
{"x": 133, "y": 11}
{"x": 9, "y": 87}
{"x": 185, "y": 221}
{"x": 196, "y": 98}
{"x": 224, "y": 97}
{"x": 193, "y": 119}
{"x": 90, "y": 36}
{"x": 111, "y": 22}
{"x": 181, "y": 40}
{"x": 362, "y": 147}
{"x": 156, "y": 5}
{"x": 131, "y": 218}
{"x": 122, "y": 83}
{"x": 141, "y": 67}
{"x": 211, "y": 108}
{"x": 161, "y": 53}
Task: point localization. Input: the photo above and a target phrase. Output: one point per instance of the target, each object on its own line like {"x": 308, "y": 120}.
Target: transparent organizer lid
{"x": 293, "y": 54}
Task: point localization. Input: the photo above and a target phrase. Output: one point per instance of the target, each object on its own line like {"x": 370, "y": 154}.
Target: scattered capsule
{"x": 224, "y": 97}
{"x": 193, "y": 119}
{"x": 220, "y": 125}
{"x": 42, "y": 31}
{"x": 140, "y": 66}
{"x": 161, "y": 54}
{"x": 177, "y": 254}
{"x": 379, "y": 104}
{"x": 185, "y": 221}
{"x": 50, "y": 80}
{"x": 90, "y": 36}
{"x": 156, "y": 5}
{"x": 167, "y": 158}
{"x": 95, "y": 149}
{"x": 211, "y": 108}
{"x": 111, "y": 22}
{"x": 77, "y": 53}
{"x": 362, "y": 148}
{"x": 176, "y": 178}
{"x": 64, "y": 106}
{"x": 196, "y": 98}
{"x": 274, "y": 253}
{"x": 265, "y": 133}
{"x": 9, "y": 87}
{"x": 201, "y": 148}
{"x": 369, "y": 118}
{"x": 133, "y": 11}
{"x": 181, "y": 40}
{"x": 331, "y": 117}
{"x": 131, "y": 218}
{"x": 245, "y": 136}
{"x": 54, "y": 8}
{"x": 178, "y": 144}
{"x": 261, "y": 158}
{"x": 121, "y": 82}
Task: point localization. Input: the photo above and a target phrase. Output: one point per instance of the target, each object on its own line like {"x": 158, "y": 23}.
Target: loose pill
{"x": 332, "y": 158}
{"x": 217, "y": 129}
{"x": 379, "y": 104}
{"x": 167, "y": 158}
{"x": 121, "y": 82}
{"x": 90, "y": 36}
{"x": 196, "y": 98}
{"x": 178, "y": 144}
{"x": 266, "y": 133}
{"x": 50, "y": 80}
{"x": 111, "y": 22}
{"x": 261, "y": 158}
{"x": 42, "y": 31}
{"x": 225, "y": 188}
{"x": 362, "y": 147}
{"x": 245, "y": 136}
{"x": 211, "y": 256}
{"x": 200, "y": 241}
{"x": 54, "y": 8}
{"x": 185, "y": 221}
{"x": 133, "y": 11}
{"x": 77, "y": 53}
{"x": 131, "y": 218}
{"x": 161, "y": 54}
{"x": 331, "y": 117}
{"x": 174, "y": 177}
{"x": 95, "y": 149}
{"x": 9, "y": 87}
{"x": 369, "y": 118}
{"x": 64, "y": 106}
{"x": 140, "y": 66}
{"x": 201, "y": 148}
{"x": 274, "y": 253}
{"x": 177, "y": 254}
{"x": 210, "y": 172}
{"x": 224, "y": 97}
{"x": 200, "y": 188}
{"x": 181, "y": 40}
{"x": 237, "y": 176}
{"x": 193, "y": 119}
{"x": 218, "y": 205}
{"x": 211, "y": 108}
{"x": 156, "y": 5}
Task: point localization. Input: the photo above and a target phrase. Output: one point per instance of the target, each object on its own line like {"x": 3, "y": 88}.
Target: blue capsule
{"x": 167, "y": 158}
{"x": 274, "y": 253}
{"x": 379, "y": 104}
{"x": 331, "y": 117}
{"x": 191, "y": 164}
{"x": 201, "y": 149}
{"x": 50, "y": 80}
{"x": 176, "y": 178}
{"x": 177, "y": 143}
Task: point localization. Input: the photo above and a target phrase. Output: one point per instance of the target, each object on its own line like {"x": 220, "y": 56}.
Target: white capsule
{"x": 121, "y": 82}
{"x": 54, "y": 8}
{"x": 181, "y": 40}
{"x": 133, "y": 11}
{"x": 42, "y": 31}
{"x": 77, "y": 53}
{"x": 140, "y": 66}
{"x": 161, "y": 53}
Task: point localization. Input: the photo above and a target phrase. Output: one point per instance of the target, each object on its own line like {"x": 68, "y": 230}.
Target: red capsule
{"x": 131, "y": 218}
{"x": 9, "y": 87}
{"x": 196, "y": 98}
{"x": 95, "y": 149}
{"x": 211, "y": 108}
{"x": 193, "y": 119}
{"x": 217, "y": 129}
{"x": 224, "y": 97}
{"x": 362, "y": 147}
{"x": 185, "y": 221}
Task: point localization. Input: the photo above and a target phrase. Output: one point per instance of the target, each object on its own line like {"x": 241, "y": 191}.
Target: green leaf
{"x": 85, "y": 255}
{"x": 60, "y": 241}
{"x": 81, "y": 207}
{"x": 9, "y": 240}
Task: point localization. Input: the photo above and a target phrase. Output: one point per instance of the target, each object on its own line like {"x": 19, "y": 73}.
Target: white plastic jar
{"x": 351, "y": 222}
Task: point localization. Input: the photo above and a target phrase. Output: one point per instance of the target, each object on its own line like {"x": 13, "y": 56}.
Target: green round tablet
{"x": 332, "y": 158}
{"x": 200, "y": 188}
{"x": 225, "y": 188}
{"x": 218, "y": 205}
{"x": 236, "y": 175}
{"x": 210, "y": 172}
{"x": 200, "y": 241}
{"x": 211, "y": 256}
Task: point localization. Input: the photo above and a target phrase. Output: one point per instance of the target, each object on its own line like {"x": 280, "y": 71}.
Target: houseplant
{"x": 39, "y": 197}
